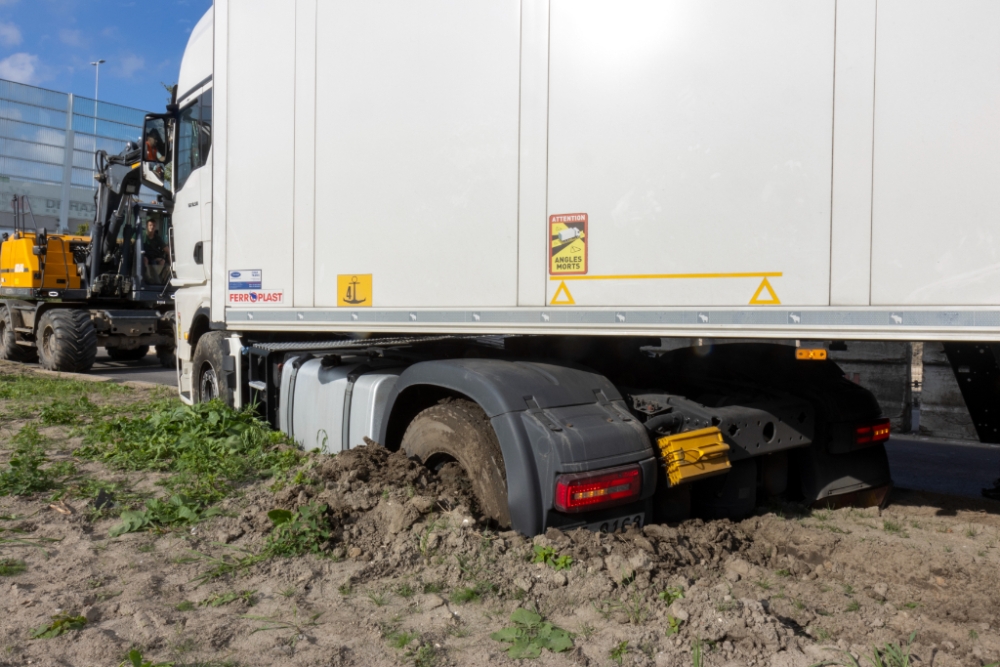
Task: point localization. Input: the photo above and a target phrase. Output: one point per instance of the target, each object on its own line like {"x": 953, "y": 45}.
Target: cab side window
{"x": 194, "y": 137}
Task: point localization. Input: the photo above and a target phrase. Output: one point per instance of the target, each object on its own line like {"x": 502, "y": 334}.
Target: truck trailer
{"x": 593, "y": 252}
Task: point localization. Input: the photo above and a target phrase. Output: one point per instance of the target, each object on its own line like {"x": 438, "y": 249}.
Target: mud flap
{"x": 858, "y": 478}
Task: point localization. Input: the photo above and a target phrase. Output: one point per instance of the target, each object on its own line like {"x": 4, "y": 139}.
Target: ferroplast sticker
{"x": 257, "y": 298}
{"x": 246, "y": 279}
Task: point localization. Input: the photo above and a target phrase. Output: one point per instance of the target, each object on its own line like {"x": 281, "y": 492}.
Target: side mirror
{"x": 157, "y": 135}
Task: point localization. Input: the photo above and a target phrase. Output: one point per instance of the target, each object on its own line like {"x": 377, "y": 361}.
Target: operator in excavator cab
{"x": 155, "y": 255}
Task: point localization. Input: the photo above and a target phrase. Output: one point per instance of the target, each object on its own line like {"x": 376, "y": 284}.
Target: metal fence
{"x": 47, "y": 145}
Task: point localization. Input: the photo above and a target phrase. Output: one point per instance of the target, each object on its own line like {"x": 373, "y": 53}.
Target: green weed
{"x": 380, "y": 599}
{"x": 400, "y": 640}
{"x": 783, "y": 573}
{"x": 671, "y": 594}
{"x": 472, "y": 593}
{"x": 888, "y": 655}
{"x": 405, "y": 591}
{"x": 135, "y": 660}
{"x": 185, "y": 605}
{"x": 61, "y": 623}
{"x": 289, "y": 592}
{"x": 673, "y": 625}
{"x": 696, "y": 653}
{"x": 617, "y": 654}
{"x": 854, "y": 605}
{"x": 176, "y": 510}
{"x": 549, "y": 556}
{"x": 296, "y": 533}
{"x": 530, "y": 634}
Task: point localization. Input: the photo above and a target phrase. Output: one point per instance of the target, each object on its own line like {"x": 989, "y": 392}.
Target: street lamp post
{"x": 97, "y": 78}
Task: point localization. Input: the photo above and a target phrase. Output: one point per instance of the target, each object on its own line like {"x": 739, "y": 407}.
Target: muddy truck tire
{"x": 460, "y": 431}
{"x": 136, "y": 354}
{"x": 67, "y": 340}
{"x": 9, "y": 349}
{"x": 210, "y": 380}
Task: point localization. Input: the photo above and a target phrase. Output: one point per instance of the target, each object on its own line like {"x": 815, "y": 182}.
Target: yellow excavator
{"x": 62, "y": 296}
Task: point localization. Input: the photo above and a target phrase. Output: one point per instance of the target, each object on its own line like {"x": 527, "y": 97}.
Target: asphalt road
{"x": 147, "y": 370}
{"x": 953, "y": 467}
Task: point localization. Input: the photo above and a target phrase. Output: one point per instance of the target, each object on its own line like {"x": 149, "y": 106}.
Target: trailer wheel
{"x": 118, "y": 354}
{"x": 9, "y": 349}
{"x": 210, "y": 380}
{"x": 460, "y": 431}
{"x": 67, "y": 340}
{"x": 166, "y": 354}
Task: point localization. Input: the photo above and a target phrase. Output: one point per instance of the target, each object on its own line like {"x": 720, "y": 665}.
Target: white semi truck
{"x": 463, "y": 228}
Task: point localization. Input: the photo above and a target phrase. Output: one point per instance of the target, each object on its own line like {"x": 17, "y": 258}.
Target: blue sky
{"x": 51, "y": 43}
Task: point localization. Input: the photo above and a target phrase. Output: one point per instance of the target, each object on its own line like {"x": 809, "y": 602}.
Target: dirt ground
{"x": 413, "y": 577}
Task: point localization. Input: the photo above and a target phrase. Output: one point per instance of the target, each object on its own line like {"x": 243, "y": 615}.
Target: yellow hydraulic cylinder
{"x": 694, "y": 455}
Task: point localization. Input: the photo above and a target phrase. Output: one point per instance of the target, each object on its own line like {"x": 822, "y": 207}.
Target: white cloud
{"x": 129, "y": 64}
{"x": 71, "y": 38}
{"x": 10, "y": 34}
{"x": 20, "y": 67}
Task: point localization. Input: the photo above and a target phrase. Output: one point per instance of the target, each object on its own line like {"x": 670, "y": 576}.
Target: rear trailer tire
{"x": 136, "y": 354}
{"x": 9, "y": 349}
{"x": 459, "y": 430}
{"x": 210, "y": 381}
{"x": 66, "y": 340}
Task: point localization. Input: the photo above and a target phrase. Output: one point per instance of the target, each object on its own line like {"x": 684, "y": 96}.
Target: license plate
{"x": 618, "y": 524}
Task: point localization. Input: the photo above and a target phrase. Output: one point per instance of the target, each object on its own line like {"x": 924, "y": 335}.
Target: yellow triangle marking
{"x": 757, "y": 301}
{"x": 564, "y": 291}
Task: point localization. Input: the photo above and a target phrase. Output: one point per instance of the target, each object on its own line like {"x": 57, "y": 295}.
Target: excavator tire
{"x": 9, "y": 349}
{"x": 135, "y": 354}
{"x": 166, "y": 355}
{"x": 67, "y": 340}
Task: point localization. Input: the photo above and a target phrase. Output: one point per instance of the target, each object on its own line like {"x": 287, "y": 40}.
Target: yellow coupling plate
{"x": 694, "y": 455}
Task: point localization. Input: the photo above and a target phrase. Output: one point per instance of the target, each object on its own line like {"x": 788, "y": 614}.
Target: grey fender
{"x": 549, "y": 419}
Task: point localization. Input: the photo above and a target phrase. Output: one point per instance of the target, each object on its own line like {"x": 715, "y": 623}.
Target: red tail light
{"x": 592, "y": 490}
{"x": 872, "y": 432}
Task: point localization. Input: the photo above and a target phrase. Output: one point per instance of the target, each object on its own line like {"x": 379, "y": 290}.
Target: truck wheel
{"x": 210, "y": 380}
{"x": 9, "y": 349}
{"x": 166, "y": 355}
{"x": 118, "y": 354}
{"x": 67, "y": 340}
{"x": 460, "y": 431}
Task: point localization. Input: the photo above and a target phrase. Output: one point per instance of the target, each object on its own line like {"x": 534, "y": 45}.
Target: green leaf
{"x": 558, "y": 641}
{"x": 135, "y": 657}
{"x": 507, "y": 634}
{"x": 525, "y": 617}
{"x": 279, "y": 517}
{"x": 524, "y": 649}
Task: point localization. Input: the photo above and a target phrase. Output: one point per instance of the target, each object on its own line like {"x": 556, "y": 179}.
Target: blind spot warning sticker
{"x": 354, "y": 290}
{"x": 568, "y": 244}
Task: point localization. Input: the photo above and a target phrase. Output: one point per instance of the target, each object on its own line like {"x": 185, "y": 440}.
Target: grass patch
{"x": 11, "y": 566}
{"x": 472, "y": 593}
{"x": 185, "y": 605}
{"x": 222, "y": 599}
{"x": 893, "y": 528}
{"x": 210, "y": 448}
{"x": 25, "y": 474}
